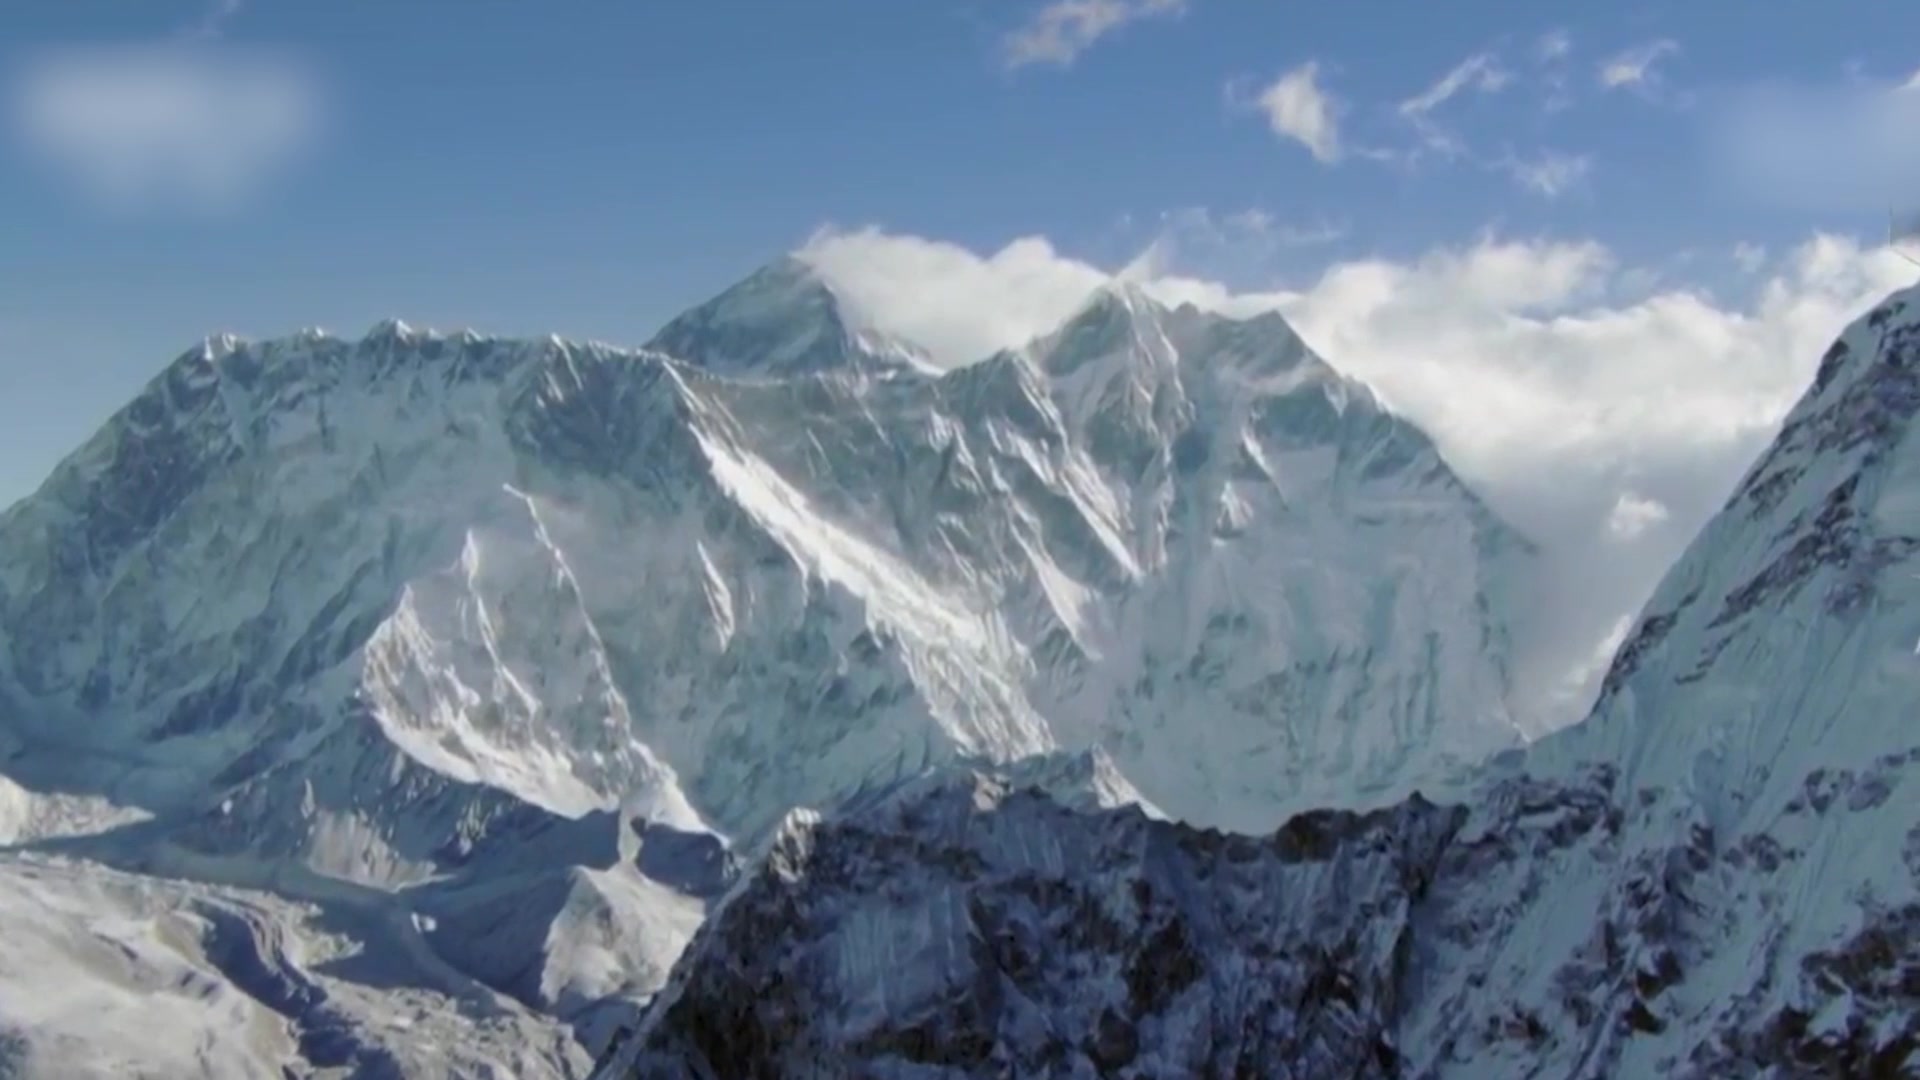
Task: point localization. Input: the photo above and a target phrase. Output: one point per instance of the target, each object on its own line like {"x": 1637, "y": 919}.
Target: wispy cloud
{"x": 1286, "y": 234}
{"x": 1553, "y": 46}
{"x": 1634, "y": 68}
{"x": 175, "y": 127}
{"x": 1482, "y": 73}
{"x": 1059, "y": 32}
{"x": 1297, "y": 108}
{"x": 1552, "y": 52}
{"x": 1550, "y": 173}
{"x": 1243, "y": 247}
{"x": 213, "y": 23}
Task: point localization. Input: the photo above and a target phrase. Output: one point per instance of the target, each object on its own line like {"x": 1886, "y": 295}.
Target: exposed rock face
{"x": 975, "y": 931}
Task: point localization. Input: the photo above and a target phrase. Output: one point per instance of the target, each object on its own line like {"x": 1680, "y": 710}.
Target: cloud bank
{"x": 171, "y": 127}
{"x": 1605, "y": 419}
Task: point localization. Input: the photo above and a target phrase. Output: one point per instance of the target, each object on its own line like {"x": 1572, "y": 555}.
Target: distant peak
{"x": 787, "y": 280}
{"x": 390, "y": 330}
{"x": 793, "y": 269}
{"x": 210, "y": 351}
{"x": 1264, "y": 342}
{"x": 1121, "y": 327}
{"x": 1122, "y": 295}
{"x": 781, "y": 320}
{"x": 1118, "y": 319}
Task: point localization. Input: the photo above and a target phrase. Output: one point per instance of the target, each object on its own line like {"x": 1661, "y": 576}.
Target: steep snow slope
{"x": 520, "y": 637}
{"x": 1313, "y": 617}
{"x": 1718, "y": 874}
{"x": 1759, "y": 723}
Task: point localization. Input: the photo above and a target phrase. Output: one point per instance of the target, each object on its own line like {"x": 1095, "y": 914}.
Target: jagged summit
{"x": 1258, "y": 346}
{"x": 1118, "y": 324}
{"x": 1122, "y": 323}
{"x": 390, "y": 329}
{"x": 1125, "y": 293}
{"x": 783, "y": 320}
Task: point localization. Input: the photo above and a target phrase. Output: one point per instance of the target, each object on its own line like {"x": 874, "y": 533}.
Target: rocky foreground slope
{"x": 1717, "y": 874}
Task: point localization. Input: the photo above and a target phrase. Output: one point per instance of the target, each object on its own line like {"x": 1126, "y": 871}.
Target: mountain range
{"x": 1714, "y": 875}
{"x": 768, "y": 702}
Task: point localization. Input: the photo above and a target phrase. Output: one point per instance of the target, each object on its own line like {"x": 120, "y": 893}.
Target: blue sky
{"x": 495, "y": 163}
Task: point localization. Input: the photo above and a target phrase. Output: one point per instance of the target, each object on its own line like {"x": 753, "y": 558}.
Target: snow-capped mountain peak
{"x": 390, "y": 329}
{"x": 783, "y": 320}
{"x": 1118, "y": 326}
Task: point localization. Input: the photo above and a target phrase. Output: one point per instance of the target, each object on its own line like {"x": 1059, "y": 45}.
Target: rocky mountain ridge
{"x": 494, "y": 658}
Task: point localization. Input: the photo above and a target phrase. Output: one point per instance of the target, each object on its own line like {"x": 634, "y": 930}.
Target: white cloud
{"x": 1059, "y": 32}
{"x": 165, "y": 126}
{"x": 1634, "y": 67}
{"x": 1481, "y": 71}
{"x": 1552, "y": 378}
{"x": 1633, "y": 515}
{"x": 958, "y": 305}
{"x": 1586, "y": 672}
{"x": 1297, "y": 108}
{"x": 1550, "y": 174}
{"x": 1749, "y": 257}
{"x": 1553, "y": 46}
